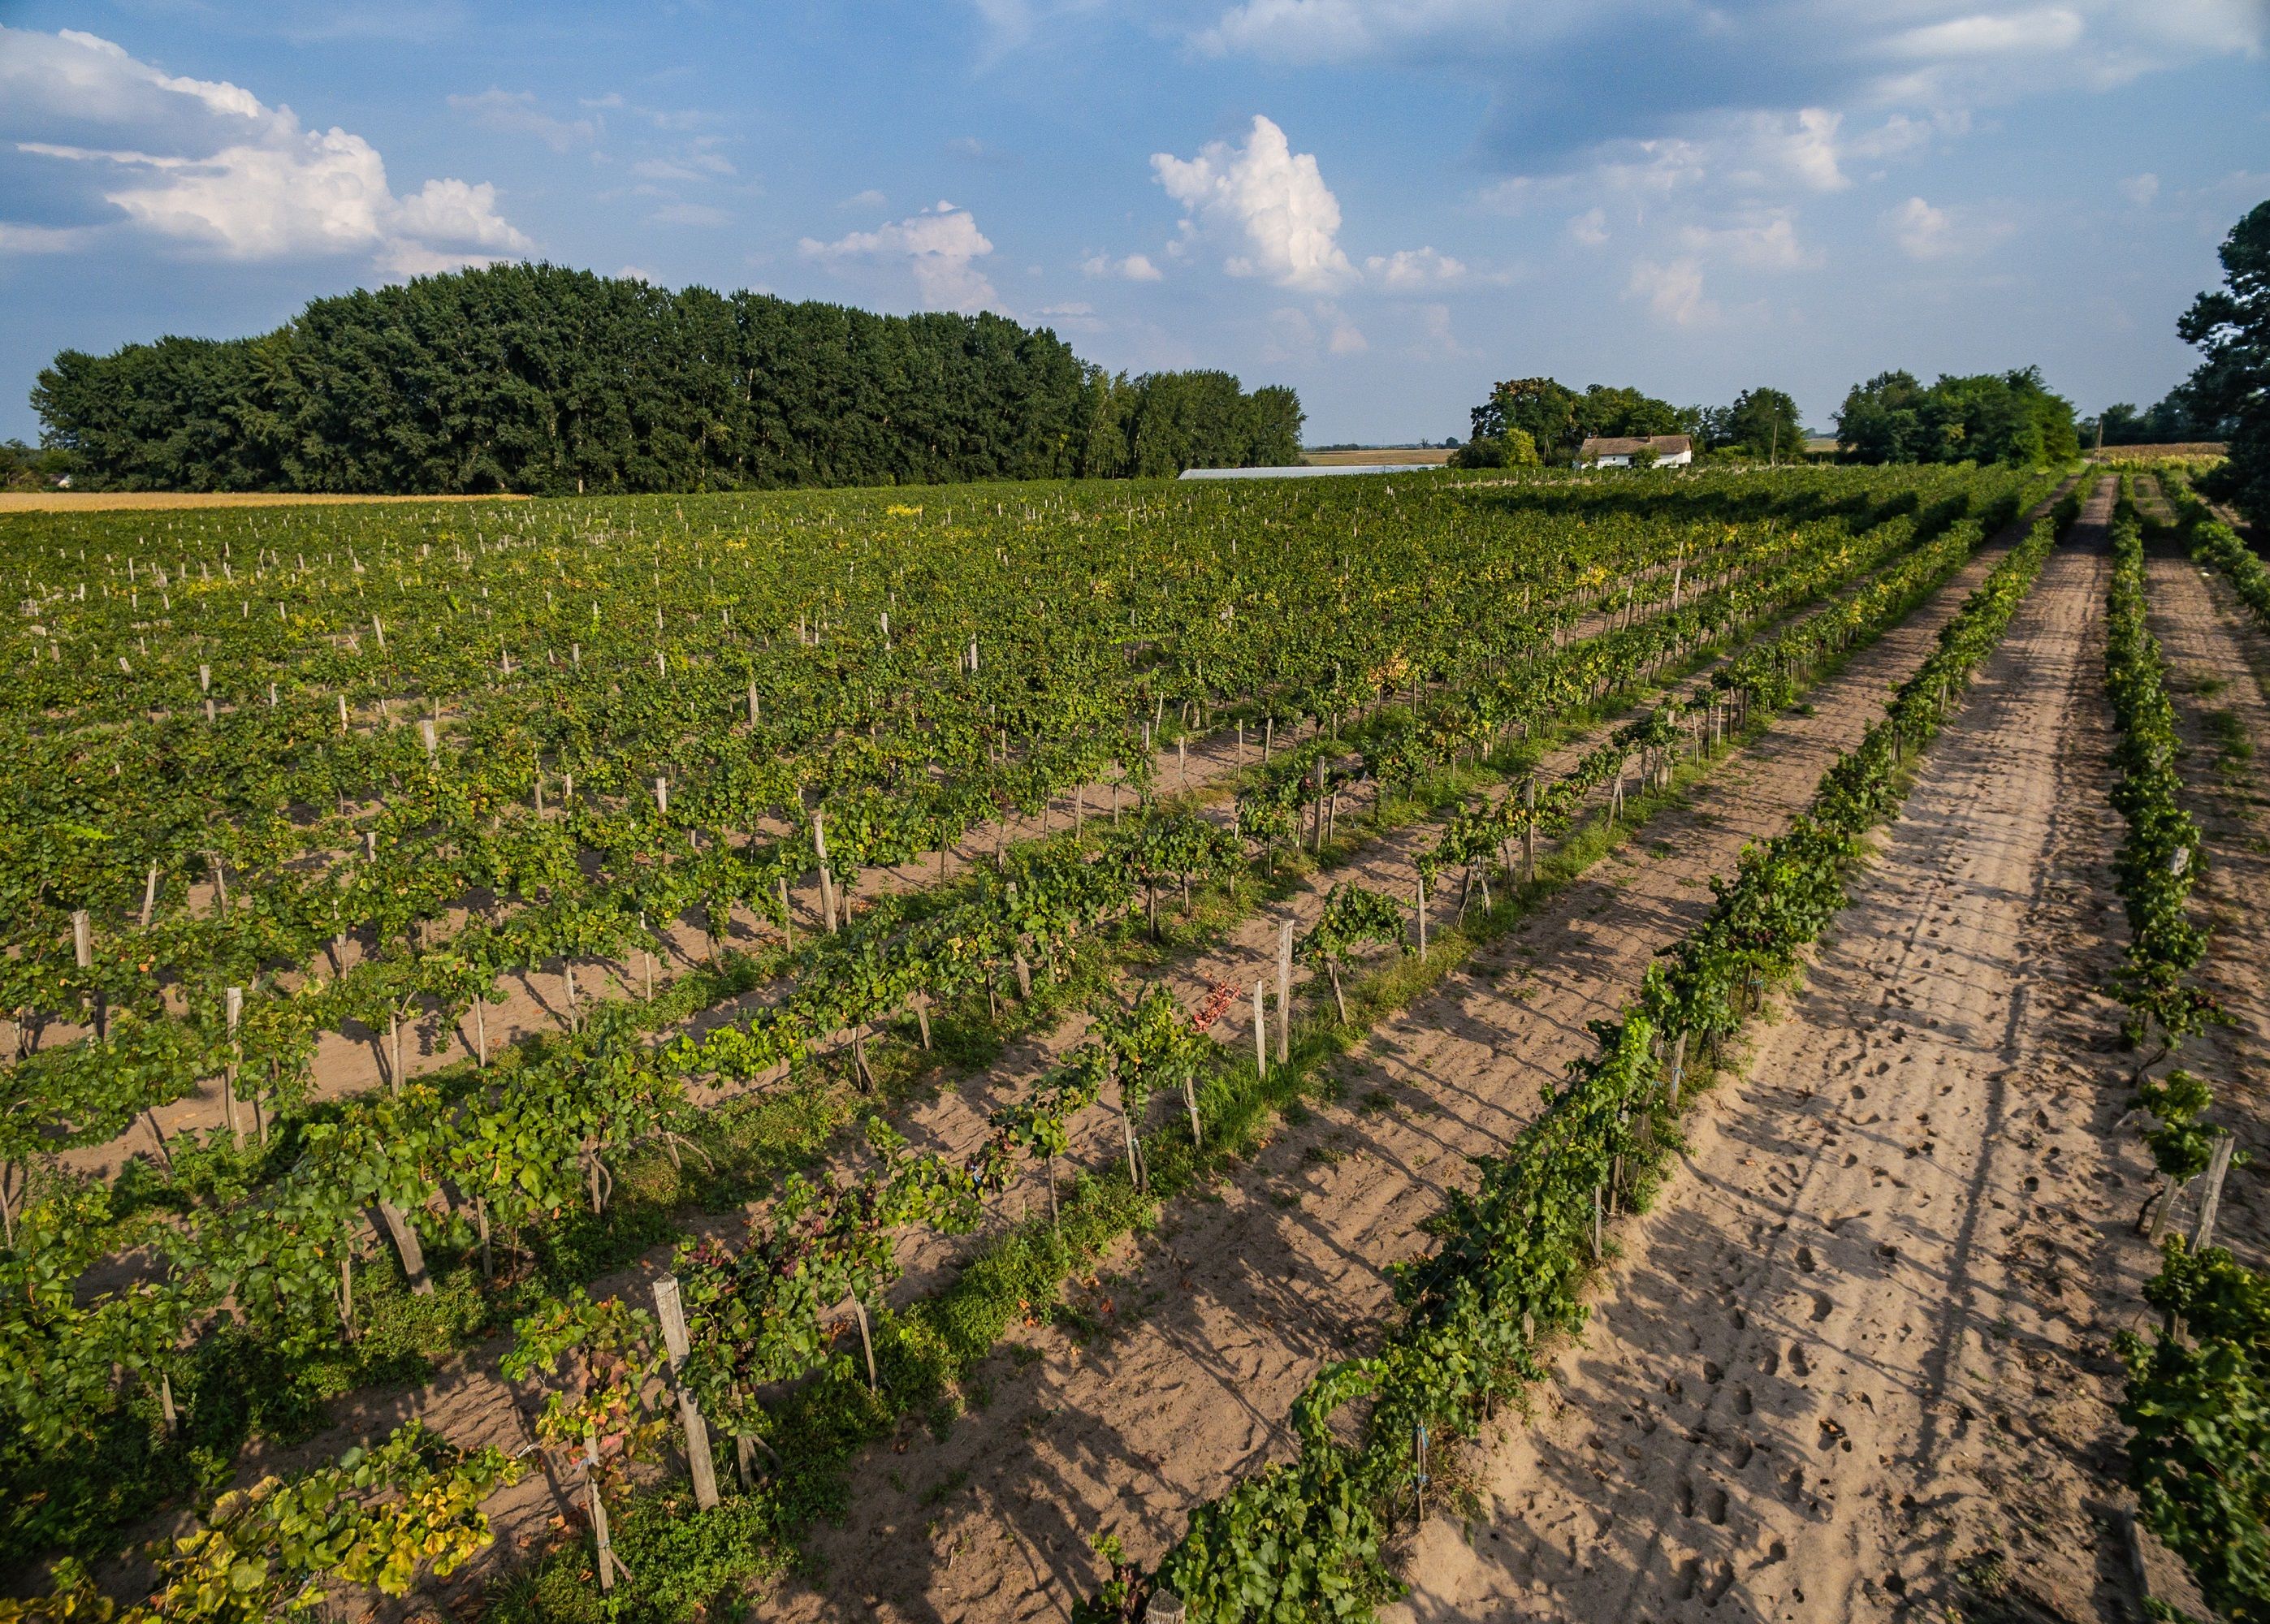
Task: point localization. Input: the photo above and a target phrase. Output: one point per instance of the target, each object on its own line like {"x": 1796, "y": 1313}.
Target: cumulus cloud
{"x": 1590, "y": 228}
{"x": 208, "y": 163}
{"x": 1133, "y": 268}
{"x": 869, "y": 199}
{"x": 2140, "y": 189}
{"x": 1986, "y": 33}
{"x": 1410, "y": 270}
{"x": 1299, "y": 335}
{"x": 1925, "y": 233}
{"x": 1767, "y": 244}
{"x": 940, "y": 247}
{"x": 1269, "y": 202}
{"x": 1437, "y": 340}
{"x": 1673, "y": 292}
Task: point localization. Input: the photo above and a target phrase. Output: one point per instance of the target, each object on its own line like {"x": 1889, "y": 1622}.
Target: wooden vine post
{"x": 827, "y": 881}
{"x": 1529, "y": 833}
{"x": 609, "y": 1563}
{"x": 235, "y": 1007}
{"x": 1284, "y": 993}
{"x": 671, "y": 1310}
{"x": 2211, "y": 1192}
{"x": 1261, "y": 1029}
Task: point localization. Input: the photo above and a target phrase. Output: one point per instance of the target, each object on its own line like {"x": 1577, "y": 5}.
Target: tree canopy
{"x": 538, "y": 378}
{"x": 2009, "y": 417}
{"x": 2231, "y": 326}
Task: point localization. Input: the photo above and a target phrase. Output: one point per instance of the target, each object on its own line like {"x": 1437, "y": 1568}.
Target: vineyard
{"x": 1072, "y": 1051}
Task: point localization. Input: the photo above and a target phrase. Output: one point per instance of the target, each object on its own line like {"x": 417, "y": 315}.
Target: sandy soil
{"x": 1855, "y": 1366}
{"x": 2217, "y": 661}
{"x": 1211, "y": 1327}
{"x": 468, "y": 1401}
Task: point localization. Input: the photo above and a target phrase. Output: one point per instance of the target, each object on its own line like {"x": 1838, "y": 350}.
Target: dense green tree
{"x": 1762, "y": 422}
{"x": 1558, "y": 420}
{"x": 541, "y": 379}
{"x": 1990, "y": 417}
{"x": 2230, "y": 325}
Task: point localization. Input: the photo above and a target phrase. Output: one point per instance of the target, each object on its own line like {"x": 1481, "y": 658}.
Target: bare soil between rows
{"x": 1857, "y": 1364}
{"x": 1205, "y": 1332}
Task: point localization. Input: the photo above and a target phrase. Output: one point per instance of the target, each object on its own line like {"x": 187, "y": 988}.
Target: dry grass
{"x": 1412, "y": 456}
{"x": 97, "y": 502}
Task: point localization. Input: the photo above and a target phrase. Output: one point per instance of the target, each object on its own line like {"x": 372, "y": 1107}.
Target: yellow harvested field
{"x": 97, "y": 502}
{"x": 1415, "y": 456}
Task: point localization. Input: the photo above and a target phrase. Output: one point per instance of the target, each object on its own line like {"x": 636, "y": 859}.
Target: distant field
{"x": 1416, "y": 457}
{"x": 97, "y": 502}
{"x": 2155, "y": 453}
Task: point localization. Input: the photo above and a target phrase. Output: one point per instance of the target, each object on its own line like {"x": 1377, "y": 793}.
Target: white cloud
{"x": 2140, "y": 189}
{"x": 2047, "y": 28}
{"x": 1924, "y": 231}
{"x": 209, "y": 164}
{"x": 1342, "y": 337}
{"x": 1269, "y": 200}
{"x": 1673, "y": 292}
{"x": 940, "y": 246}
{"x": 1295, "y": 335}
{"x": 1590, "y": 228}
{"x": 697, "y": 164}
{"x": 869, "y": 199}
{"x": 1437, "y": 341}
{"x": 516, "y": 112}
{"x": 1411, "y": 269}
{"x": 1801, "y": 147}
{"x": 1133, "y": 268}
{"x": 1767, "y": 244}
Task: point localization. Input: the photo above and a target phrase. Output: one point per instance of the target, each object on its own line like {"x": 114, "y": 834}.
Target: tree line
{"x": 1990, "y": 417}
{"x": 540, "y": 379}
{"x": 1528, "y": 421}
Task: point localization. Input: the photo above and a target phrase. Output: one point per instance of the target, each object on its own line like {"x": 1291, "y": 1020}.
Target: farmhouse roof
{"x": 1664, "y": 445}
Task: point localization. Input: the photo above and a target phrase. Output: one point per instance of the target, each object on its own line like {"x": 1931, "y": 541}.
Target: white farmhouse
{"x": 1671, "y": 452}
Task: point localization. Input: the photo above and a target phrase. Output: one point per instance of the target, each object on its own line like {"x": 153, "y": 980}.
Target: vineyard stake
{"x": 2211, "y": 1192}
{"x": 1529, "y": 833}
{"x": 1285, "y": 992}
{"x": 235, "y": 1007}
{"x": 827, "y": 884}
{"x": 866, "y": 1341}
{"x": 671, "y": 1310}
{"x": 598, "y": 1508}
{"x": 148, "y": 895}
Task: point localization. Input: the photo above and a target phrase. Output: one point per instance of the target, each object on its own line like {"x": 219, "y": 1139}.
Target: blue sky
{"x": 1387, "y": 204}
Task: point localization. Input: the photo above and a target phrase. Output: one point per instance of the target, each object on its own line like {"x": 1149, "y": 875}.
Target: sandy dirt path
{"x": 2217, "y": 663}
{"x": 1210, "y": 1328}
{"x": 1855, "y": 1366}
